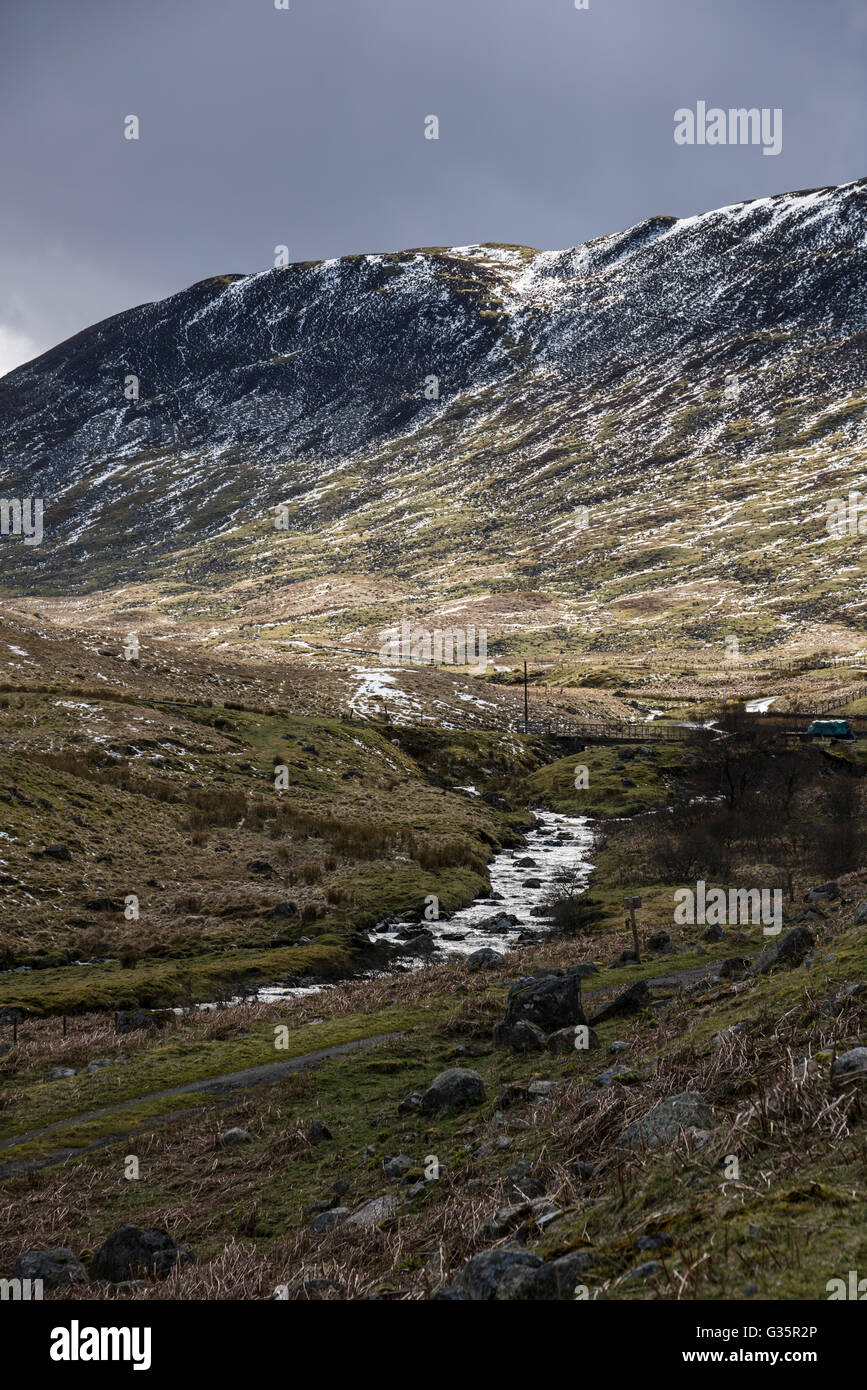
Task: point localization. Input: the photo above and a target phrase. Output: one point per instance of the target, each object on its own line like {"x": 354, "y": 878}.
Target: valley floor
{"x": 293, "y": 1145}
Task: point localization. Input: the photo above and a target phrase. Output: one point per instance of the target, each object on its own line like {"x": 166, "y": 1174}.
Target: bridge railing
{"x": 657, "y": 731}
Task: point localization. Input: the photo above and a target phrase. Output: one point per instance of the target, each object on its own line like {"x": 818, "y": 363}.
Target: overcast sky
{"x": 305, "y": 127}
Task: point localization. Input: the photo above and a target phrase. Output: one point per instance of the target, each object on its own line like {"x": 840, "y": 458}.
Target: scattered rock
{"x": 629, "y": 1001}
{"x": 453, "y": 1090}
{"x": 314, "y": 1287}
{"x": 485, "y": 959}
{"x": 645, "y": 1271}
{"x": 554, "y": 1280}
{"x": 131, "y": 1020}
{"x": 520, "y": 1037}
{"x": 137, "y": 1250}
{"x": 396, "y": 1167}
{"x": 318, "y": 1132}
{"x": 733, "y": 966}
{"x": 719, "y": 1038}
{"x": 566, "y": 1040}
{"x": 229, "y": 1137}
{"x": 532, "y": 883}
{"x": 714, "y": 933}
{"x": 482, "y": 1275}
{"x": 549, "y": 1003}
{"x": 283, "y": 910}
{"x": 56, "y": 852}
{"x": 658, "y": 939}
{"x": 615, "y": 1073}
{"x": 851, "y": 1063}
{"x": 518, "y": 1275}
{"x": 687, "y": 1111}
{"x": 541, "y": 1090}
{"x": 58, "y": 1074}
{"x": 56, "y": 1268}
{"x": 826, "y": 892}
{"x": 657, "y": 1242}
{"x": 790, "y": 950}
{"x": 498, "y": 924}
{"x": 326, "y": 1219}
{"x": 374, "y": 1210}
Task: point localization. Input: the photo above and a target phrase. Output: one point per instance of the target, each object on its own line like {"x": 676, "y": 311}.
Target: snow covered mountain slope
{"x": 649, "y": 427}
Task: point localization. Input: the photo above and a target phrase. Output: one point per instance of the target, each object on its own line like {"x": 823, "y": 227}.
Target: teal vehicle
{"x": 832, "y": 728}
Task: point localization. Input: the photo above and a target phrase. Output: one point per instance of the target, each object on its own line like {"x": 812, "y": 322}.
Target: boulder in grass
{"x": 579, "y": 1038}
{"x": 520, "y": 1037}
{"x": 318, "y": 1132}
{"x": 454, "y": 1089}
{"x": 483, "y": 1274}
{"x": 230, "y": 1137}
{"x": 326, "y": 1219}
{"x": 850, "y": 1064}
{"x": 376, "y": 1209}
{"x": 397, "y": 1167}
{"x": 485, "y": 959}
{"x": 552, "y": 1281}
{"x": 687, "y": 1111}
{"x": 629, "y": 1001}
{"x": 56, "y": 1268}
{"x": 516, "y": 1275}
{"x": 130, "y": 1020}
{"x": 133, "y": 1251}
{"x": 59, "y": 852}
{"x": 789, "y": 950}
{"x": 826, "y": 892}
{"x": 550, "y": 1002}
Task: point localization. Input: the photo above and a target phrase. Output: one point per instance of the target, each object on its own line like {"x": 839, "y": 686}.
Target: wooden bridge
{"x": 763, "y": 725}
{"x": 614, "y": 730}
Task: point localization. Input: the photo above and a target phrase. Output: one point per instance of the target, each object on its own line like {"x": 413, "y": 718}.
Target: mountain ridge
{"x": 660, "y": 372}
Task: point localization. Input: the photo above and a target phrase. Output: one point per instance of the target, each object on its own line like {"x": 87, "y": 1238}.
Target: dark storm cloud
{"x": 305, "y": 127}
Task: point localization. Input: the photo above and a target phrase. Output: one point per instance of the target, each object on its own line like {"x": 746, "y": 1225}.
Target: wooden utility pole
{"x": 632, "y": 904}
{"x": 525, "y": 697}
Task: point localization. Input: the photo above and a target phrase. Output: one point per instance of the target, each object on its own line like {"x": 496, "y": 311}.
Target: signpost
{"x": 631, "y": 904}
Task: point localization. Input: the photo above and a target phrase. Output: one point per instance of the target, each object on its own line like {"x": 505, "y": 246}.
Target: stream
{"x": 555, "y": 842}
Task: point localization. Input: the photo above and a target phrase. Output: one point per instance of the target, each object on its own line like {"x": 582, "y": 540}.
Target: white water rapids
{"x": 555, "y": 843}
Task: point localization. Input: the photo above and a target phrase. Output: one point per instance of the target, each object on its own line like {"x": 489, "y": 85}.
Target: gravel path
{"x": 215, "y": 1085}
